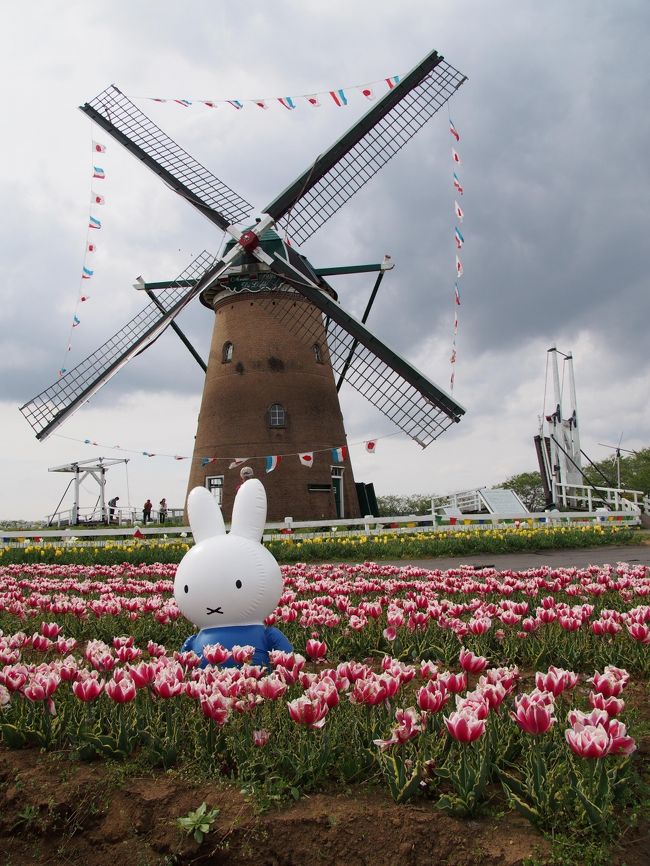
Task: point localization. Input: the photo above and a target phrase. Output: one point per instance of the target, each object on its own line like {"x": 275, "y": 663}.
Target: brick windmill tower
{"x": 269, "y": 393}
{"x": 280, "y": 337}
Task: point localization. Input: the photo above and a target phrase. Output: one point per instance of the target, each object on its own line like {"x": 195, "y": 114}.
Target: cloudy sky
{"x": 554, "y": 127}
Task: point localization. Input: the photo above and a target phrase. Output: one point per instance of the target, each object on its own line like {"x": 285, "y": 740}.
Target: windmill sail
{"x": 115, "y": 113}
{"x": 355, "y": 158}
{"x": 53, "y": 405}
{"x": 410, "y": 400}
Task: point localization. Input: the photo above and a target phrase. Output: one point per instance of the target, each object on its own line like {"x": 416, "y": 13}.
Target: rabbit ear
{"x": 249, "y": 510}
{"x": 205, "y": 515}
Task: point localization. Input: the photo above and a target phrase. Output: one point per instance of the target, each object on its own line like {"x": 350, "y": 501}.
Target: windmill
{"x": 280, "y": 337}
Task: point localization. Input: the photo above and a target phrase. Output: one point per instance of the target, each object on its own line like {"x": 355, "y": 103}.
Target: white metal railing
{"x": 582, "y": 495}
{"x": 326, "y": 528}
{"x": 119, "y": 517}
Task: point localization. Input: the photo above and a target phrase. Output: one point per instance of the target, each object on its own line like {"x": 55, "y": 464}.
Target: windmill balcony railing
{"x": 369, "y": 526}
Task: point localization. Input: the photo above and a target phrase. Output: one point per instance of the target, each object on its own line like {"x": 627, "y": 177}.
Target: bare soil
{"x": 57, "y": 811}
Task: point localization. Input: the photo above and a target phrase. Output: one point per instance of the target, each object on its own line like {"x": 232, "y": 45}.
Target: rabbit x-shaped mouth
{"x": 214, "y": 610}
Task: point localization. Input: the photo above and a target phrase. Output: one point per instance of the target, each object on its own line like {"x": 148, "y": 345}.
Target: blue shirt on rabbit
{"x": 263, "y": 638}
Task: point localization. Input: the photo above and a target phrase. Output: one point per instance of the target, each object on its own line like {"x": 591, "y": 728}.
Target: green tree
{"x": 528, "y": 487}
{"x": 394, "y": 505}
{"x": 635, "y": 471}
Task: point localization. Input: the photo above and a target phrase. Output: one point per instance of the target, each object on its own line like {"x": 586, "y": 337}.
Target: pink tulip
{"x": 618, "y": 673}
{"x": 475, "y": 703}
{"x": 142, "y": 674}
{"x": 554, "y": 681}
{"x": 408, "y": 726}
{"x": 156, "y": 650}
{"x": 41, "y": 643}
{"x": 370, "y": 691}
{"x": 216, "y": 707}
{"x": 432, "y": 697}
{"x": 128, "y": 653}
{"x": 621, "y": 743}
{"x": 493, "y": 693}
{"x": 167, "y": 686}
{"x": 308, "y": 711}
{"x": 69, "y": 669}
{"x": 316, "y": 650}
{"x": 594, "y": 718}
{"x": 612, "y": 705}
{"x": 530, "y": 624}
{"x": 428, "y": 670}
{"x": 88, "y": 689}
{"x": 455, "y": 683}
{"x": 41, "y": 686}
{"x": 14, "y": 677}
{"x": 271, "y": 688}
{"x": 464, "y": 726}
{"x": 639, "y": 632}
{"x": 261, "y": 738}
{"x": 570, "y": 623}
{"x": 50, "y": 629}
{"x": 188, "y": 659}
{"x": 607, "y": 685}
{"x": 242, "y": 655}
{"x": 479, "y": 625}
{"x": 215, "y": 654}
{"x": 121, "y": 691}
{"x": 588, "y": 741}
{"x": 533, "y": 718}
{"x": 65, "y": 644}
{"x": 325, "y": 688}
{"x": 471, "y": 663}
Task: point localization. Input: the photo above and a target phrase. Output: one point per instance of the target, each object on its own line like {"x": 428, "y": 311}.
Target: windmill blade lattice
{"x": 353, "y": 160}
{"x": 53, "y": 405}
{"x": 413, "y": 403}
{"x": 115, "y": 113}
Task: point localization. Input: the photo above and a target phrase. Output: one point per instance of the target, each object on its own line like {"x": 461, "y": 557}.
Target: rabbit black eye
{"x": 186, "y": 588}
{"x": 238, "y": 584}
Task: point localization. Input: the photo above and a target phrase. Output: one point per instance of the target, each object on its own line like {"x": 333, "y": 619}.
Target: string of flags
{"x": 337, "y": 454}
{"x": 338, "y": 96}
{"x": 88, "y": 268}
{"x": 459, "y": 240}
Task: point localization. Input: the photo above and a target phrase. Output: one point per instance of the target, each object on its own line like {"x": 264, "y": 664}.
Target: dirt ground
{"x": 56, "y": 811}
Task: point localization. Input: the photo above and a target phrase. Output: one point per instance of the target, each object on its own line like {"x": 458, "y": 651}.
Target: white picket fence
{"x": 369, "y": 526}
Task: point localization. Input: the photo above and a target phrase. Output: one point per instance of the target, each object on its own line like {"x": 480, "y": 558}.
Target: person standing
{"x": 112, "y": 506}
{"x": 146, "y": 511}
{"x": 245, "y": 473}
{"x": 162, "y": 510}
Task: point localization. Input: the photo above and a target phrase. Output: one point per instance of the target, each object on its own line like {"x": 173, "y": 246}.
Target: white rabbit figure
{"x": 227, "y": 584}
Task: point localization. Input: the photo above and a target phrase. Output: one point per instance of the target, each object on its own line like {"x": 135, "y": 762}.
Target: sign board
{"x": 501, "y": 501}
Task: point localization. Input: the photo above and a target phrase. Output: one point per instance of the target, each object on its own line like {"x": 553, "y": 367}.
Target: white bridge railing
{"x": 119, "y": 518}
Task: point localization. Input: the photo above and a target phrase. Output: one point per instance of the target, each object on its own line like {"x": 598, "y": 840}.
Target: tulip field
{"x": 466, "y": 690}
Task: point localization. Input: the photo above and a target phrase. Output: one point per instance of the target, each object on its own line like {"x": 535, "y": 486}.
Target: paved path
{"x": 634, "y": 554}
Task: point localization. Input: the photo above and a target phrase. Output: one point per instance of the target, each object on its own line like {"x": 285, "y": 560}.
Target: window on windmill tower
{"x": 277, "y": 416}
{"x": 226, "y": 353}
{"x": 317, "y": 353}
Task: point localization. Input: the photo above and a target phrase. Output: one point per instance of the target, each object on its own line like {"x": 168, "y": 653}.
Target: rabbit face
{"x": 228, "y": 579}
